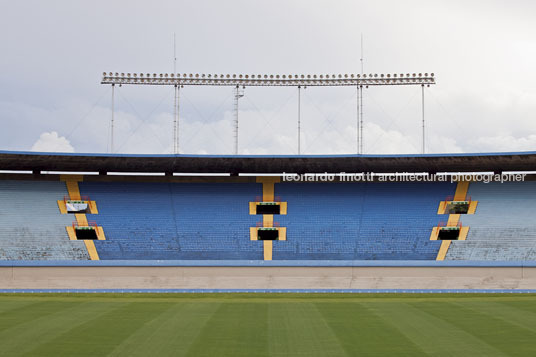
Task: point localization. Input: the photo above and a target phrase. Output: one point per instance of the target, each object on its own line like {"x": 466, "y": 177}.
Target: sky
{"x": 53, "y": 54}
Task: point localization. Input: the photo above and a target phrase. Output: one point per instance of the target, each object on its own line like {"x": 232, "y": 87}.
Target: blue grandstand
{"x": 214, "y": 219}
{"x": 360, "y": 221}
{"x": 174, "y": 221}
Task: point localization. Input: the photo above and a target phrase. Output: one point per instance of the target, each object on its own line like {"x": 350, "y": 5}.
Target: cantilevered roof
{"x": 477, "y": 162}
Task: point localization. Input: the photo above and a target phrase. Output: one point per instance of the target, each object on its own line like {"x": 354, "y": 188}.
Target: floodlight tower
{"x": 180, "y": 80}
{"x": 239, "y": 93}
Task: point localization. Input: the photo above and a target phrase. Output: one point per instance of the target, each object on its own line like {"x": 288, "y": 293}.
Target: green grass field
{"x": 267, "y": 325}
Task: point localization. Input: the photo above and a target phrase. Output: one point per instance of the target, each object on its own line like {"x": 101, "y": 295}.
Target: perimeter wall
{"x": 267, "y": 277}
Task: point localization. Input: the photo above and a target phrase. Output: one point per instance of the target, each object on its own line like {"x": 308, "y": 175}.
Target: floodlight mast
{"x": 359, "y": 80}
{"x": 238, "y": 94}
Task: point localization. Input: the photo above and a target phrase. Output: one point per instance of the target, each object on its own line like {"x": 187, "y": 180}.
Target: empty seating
{"x": 31, "y": 226}
{"x": 211, "y": 221}
{"x": 361, "y": 221}
{"x": 174, "y": 221}
{"x": 504, "y": 225}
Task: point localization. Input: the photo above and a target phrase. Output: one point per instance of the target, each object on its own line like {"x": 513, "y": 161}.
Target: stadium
{"x": 264, "y": 187}
{"x": 270, "y": 241}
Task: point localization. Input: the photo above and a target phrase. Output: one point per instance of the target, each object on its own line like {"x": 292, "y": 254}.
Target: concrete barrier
{"x": 266, "y": 277}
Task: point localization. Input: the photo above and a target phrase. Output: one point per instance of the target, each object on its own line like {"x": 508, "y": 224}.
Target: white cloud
{"x": 507, "y": 143}
{"x": 485, "y": 82}
{"x": 52, "y": 142}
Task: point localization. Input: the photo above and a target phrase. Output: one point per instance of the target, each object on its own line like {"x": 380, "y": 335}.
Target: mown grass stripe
{"x": 22, "y": 338}
{"x": 434, "y": 335}
{"x": 522, "y": 318}
{"x": 235, "y": 329}
{"x": 100, "y": 336}
{"x": 362, "y": 332}
{"x": 8, "y": 305}
{"x": 502, "y": 335}
{"x": 30, "y": 312}
{"x": 299, "y": 329}
{"x": 169, "y": 334}
{"x": 528, "y": 305}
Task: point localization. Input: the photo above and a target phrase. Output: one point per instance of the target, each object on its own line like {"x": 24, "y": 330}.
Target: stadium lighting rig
{"x": 301, "y": 81}
{"x": 268, "y": 79}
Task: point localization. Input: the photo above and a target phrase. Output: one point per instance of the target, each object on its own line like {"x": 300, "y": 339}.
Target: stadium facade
{"x": 106, "y": 229}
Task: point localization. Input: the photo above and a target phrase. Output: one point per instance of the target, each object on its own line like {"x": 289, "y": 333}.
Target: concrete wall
{"x": 180, "y": 277}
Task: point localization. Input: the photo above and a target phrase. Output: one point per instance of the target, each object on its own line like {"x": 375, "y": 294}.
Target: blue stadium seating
{"x": 504, "y": 225}
{"x": 325, "y": 221}
{"x": 31, "y": 226}
{"x": 363, "y": 221}
{"x": 175, "y": 221}
{"x": 211, "y": 221}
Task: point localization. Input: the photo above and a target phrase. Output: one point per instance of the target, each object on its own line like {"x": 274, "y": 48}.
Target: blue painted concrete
{"x": 262, "y": 263}
{"x": 275, "y": 291}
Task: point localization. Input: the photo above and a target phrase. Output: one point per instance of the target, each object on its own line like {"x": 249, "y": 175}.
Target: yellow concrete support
{"x": 61, "y": 206}
{"x": 461, "y": 191}
{"x": 434, "y": 234}
{"x": 100, "y": 234}
{"x": 283, "y": 208}
{"x": 472, "y": 207}
{"x": 71, "y": 233}
{"x": 268, "y": 186}
{"x": 442, "y": 207}
{"x": 253, "y": 208}
{"x": 77, "y": 178}
{"x": 443, "y": 250}
{"x": 267, "y": 220}
{"x": 92, "y": 251}
{"x": 253, "y": 233}
{"x": 282, "y": 233}
{"x": 81, "y": 219}
{"x": 93, "y": 207}
{"x": 463, "y": 233}
{"x": 74, "y": 191}
{"x": 71, "y": 181}
{"x": 267, "y": 250}
{"x": 453, "y": 220}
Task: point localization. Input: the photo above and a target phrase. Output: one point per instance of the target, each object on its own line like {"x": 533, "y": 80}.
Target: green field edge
{"x": 267, "y": 296}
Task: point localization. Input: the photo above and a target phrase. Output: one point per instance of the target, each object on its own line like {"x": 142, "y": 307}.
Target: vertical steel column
{"x": 299, "y": 120}
{"x": 423, "y": 127}
{"x": 112, "y": 121}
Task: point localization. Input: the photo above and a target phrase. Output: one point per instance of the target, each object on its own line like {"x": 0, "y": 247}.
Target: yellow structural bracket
{"x": 71, "y": 181}
{"x": 442, "y": 209}
{"x": 268, "y": 246}
{"x": 253, "y": 207}
{"x": 443, "y": 250}
{"x": 268, "y": 186}
{"x": 268, "y": 183}
{"x": 92, "y": 205}
{"x": 460, "y": 194}
{"x": 92, "y": 251}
